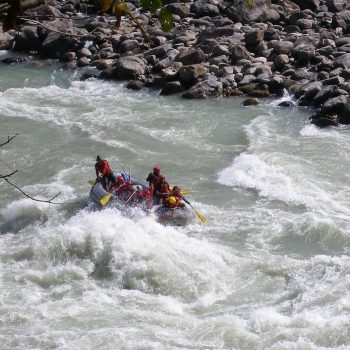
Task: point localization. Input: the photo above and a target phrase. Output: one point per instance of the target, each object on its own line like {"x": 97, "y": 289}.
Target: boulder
{"x": 283, "y": 47}
{"x": 239, "y": 52}
{"x": 68, "y": 57}
{"x": 172, "y": 87}
{"x": 84, "y": 52}
{"x": 308, "y": 4}
{"x": 27, "y": 40}
{"x": 343, "y": 61}
{"x": 135, "y": 85}
{"x": 216, "y": 32}
{"x": 129, "y": 67}
{"x": 336, "y": 5}
{"x": 128, "y": 45}
{"x": 189, "y": 74}
{"x": 250, "y": 102}
{"x": 5, "y": 41}
{"x": 191, "y": 56}
{"x": 179, "y": 9}
{"x": 304, "y": 53}
{"x": 204, "y": 89}
{"x": 202, "y": 8}
{"x": 55, "y": 44}
{"x": 323, "y": 122}
{"x": 342, "y": 20}
{"x": 254, "y": 38}
{"x": 325, "y": 94}
{"x": 83, "y": 61}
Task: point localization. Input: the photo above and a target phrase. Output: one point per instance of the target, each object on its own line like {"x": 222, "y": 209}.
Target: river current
{"x": 270, "y": 269}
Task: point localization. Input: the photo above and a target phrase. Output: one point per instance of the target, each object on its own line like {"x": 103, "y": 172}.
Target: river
{"x": 270, "y": 269}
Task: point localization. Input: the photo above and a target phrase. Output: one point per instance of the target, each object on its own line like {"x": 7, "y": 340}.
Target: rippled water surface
{"x": 270, "y": 270}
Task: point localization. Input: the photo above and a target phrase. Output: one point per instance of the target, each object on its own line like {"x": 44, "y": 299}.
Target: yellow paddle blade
{"x": 91, "y": 182}
{"x": 184, "y": 191}
{"x": 200, "y": 217}
{"x": 105, "y": 199}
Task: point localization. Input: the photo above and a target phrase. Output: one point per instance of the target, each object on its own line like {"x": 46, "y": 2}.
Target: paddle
{"x": 200, "y": 216}
{"x": 132, "y": 195}
{"x": 105, "y": 199}
{"x": 184, "y": 191}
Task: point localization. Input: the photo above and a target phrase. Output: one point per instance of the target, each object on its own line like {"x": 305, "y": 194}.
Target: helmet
{"x": 146, "y": 193}
{"x": 120, "y": 179}
{"x": 156, "y": 169}
{"x": 128, "y": 183}
{"x": 172, "y": 200}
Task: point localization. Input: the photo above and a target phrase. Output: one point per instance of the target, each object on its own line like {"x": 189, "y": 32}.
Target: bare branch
{"x": 8, "y": 140}
{"x": 8, "y": 175}
{"x": 54, "y": 30}
{"x": 50, "y": 201}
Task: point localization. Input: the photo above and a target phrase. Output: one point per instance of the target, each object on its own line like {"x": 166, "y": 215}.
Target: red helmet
{"x": 156, "y": 169}
{"x": 128, "y": 183}
{"x": 120, "y": 179}
{"x": 146, "y": 193}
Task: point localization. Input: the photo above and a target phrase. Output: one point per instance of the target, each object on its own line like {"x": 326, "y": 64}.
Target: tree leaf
{"x": 146, "y": 4}
{"x": 156, "y": 4}
{"x": 118, "y": 10}
{"x": 250, "y": 3}
{"x": 105, "y": 5}
{"x": 166, "y": 20}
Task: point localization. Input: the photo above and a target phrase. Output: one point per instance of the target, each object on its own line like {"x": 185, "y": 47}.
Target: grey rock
{"x": 254, "y": 38}
{"x": 172, "y": 87}
{"x": 303, "y": 53}
{"x": 247, "y": 79}
{"x": 343, "y": 61}
{"x": 238, "y": 53}
{"x": 283, "y": 47}
{"x": 191, "y": 56}
{"x": 5, "y": 41}
{"x": 84, "y": 52}
{"x": 204, "y": 89}
{"x": 336, "y": 5}
{"x": 325, "y": 94}
{"x": 129, "y": 67}
{"x": 27, "y": 40}
{"x": 55, "y": 44}
{"x": 135, "y": 85}
{"x": 308, "y": 4}
{"x": 202, "y": 8}
{"x": 68, "y": 56}
{"x": 215, "y": 33}
{"x": 189, "y": 74}
{"x": 128, "y": 45}
{"x": 250, "y": 102}
{"x": 179, "y": 9}
{"x": 83, "y": 61}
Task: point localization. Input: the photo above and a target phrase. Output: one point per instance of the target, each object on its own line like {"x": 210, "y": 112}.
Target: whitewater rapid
{"x": 270, "y": 270}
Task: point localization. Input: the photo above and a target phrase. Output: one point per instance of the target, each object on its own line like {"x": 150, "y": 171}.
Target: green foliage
{"x": 250, "y": 3}
{"x": 166, "y": 20}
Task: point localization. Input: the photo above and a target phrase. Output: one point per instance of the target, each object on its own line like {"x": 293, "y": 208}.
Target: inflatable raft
{"x": 177, "y": 217}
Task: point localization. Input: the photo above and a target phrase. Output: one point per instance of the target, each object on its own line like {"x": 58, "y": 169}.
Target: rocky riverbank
{"x": 217, "y": 49}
